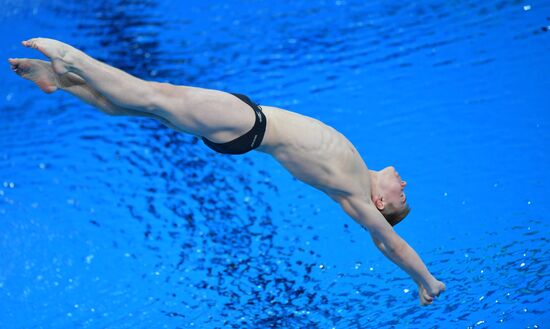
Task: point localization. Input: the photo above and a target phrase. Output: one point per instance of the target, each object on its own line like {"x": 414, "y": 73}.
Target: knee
{"x": 162, "y": 97}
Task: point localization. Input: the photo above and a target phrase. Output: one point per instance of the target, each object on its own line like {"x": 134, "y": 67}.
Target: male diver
{"x": 233, "y": 124}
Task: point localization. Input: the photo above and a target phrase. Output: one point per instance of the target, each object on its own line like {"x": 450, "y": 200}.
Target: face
{"x": 393, "y": 189}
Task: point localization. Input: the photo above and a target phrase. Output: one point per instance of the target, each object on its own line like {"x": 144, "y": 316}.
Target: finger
{"x": 425, "y": 301}
{"x": 31, "y": 43}
{"x": 426, "y": 294}
{"x": 422, "y": 300}
{"x": 424, "y": 297}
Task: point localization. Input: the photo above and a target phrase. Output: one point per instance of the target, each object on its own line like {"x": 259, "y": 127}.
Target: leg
{"x": 214, "y": 114}
{"x": 41, "y": 73}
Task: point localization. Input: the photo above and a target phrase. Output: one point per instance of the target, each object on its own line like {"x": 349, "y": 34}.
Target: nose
{"x": 403, "y": 183}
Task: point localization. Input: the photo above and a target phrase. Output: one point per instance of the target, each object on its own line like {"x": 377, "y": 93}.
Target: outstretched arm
{"x": 425, "y": 298}
{"x": 393, "y": 246}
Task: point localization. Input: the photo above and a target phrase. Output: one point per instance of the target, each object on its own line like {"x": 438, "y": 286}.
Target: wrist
{"x": 426, "y": 281}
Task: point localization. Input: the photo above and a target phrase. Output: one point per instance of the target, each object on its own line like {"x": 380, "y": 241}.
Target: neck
{"x": 374, "y": 185}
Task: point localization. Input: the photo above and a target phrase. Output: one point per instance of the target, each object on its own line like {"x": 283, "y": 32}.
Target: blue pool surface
{"x": 116, "y": 222}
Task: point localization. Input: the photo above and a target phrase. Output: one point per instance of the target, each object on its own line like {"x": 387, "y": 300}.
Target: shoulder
{"x": 355, "y": 205}
{"x": 365, "y": 213}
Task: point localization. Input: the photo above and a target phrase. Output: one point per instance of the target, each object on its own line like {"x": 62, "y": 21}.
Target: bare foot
{"x": 39, "y": 72}
{"x": 59, "y": 53}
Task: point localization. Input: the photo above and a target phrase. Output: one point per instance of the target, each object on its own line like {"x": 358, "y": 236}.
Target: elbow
{"x": 395, "y": 247}
{"x": 390, "y": 246}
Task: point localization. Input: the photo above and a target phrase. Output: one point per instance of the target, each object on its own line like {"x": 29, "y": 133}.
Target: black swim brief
{"x": 247, "y": 142}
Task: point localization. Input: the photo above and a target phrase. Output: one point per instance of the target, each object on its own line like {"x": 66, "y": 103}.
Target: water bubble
{"x": 357, "y": 265}
{"x": 527, "y": 7}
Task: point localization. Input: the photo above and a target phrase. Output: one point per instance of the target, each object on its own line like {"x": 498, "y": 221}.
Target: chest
{"x": 323, "y": 158}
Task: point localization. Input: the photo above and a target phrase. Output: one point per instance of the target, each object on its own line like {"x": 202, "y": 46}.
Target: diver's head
{"x": 388, "y": 195}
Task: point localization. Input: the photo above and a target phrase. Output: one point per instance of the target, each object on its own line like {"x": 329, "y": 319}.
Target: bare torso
{"x": 315, "y": 153}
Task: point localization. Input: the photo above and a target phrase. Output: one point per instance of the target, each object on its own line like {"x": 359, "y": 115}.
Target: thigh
{"x": 128, "y": 112}
{"x": 216, "y": 115}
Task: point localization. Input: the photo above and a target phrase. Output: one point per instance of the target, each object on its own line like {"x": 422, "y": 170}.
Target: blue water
{"x": 113, "y": 222}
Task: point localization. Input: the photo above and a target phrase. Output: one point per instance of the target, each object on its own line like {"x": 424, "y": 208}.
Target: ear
{"x": 379, "y": 203}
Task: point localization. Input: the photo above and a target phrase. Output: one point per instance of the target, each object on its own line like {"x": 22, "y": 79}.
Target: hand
{"x": 427, "y": 294}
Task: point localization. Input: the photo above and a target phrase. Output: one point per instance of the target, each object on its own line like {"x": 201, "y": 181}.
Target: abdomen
{"x": 314, "y": 152}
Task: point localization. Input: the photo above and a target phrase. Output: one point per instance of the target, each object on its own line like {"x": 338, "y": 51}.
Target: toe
{"x": 30, "y": 43}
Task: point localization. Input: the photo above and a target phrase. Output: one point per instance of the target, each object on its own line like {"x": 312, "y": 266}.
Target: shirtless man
{"x": 322, "y": 158}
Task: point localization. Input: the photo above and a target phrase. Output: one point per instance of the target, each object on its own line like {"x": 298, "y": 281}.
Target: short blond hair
{"x": 397, "y": 216}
